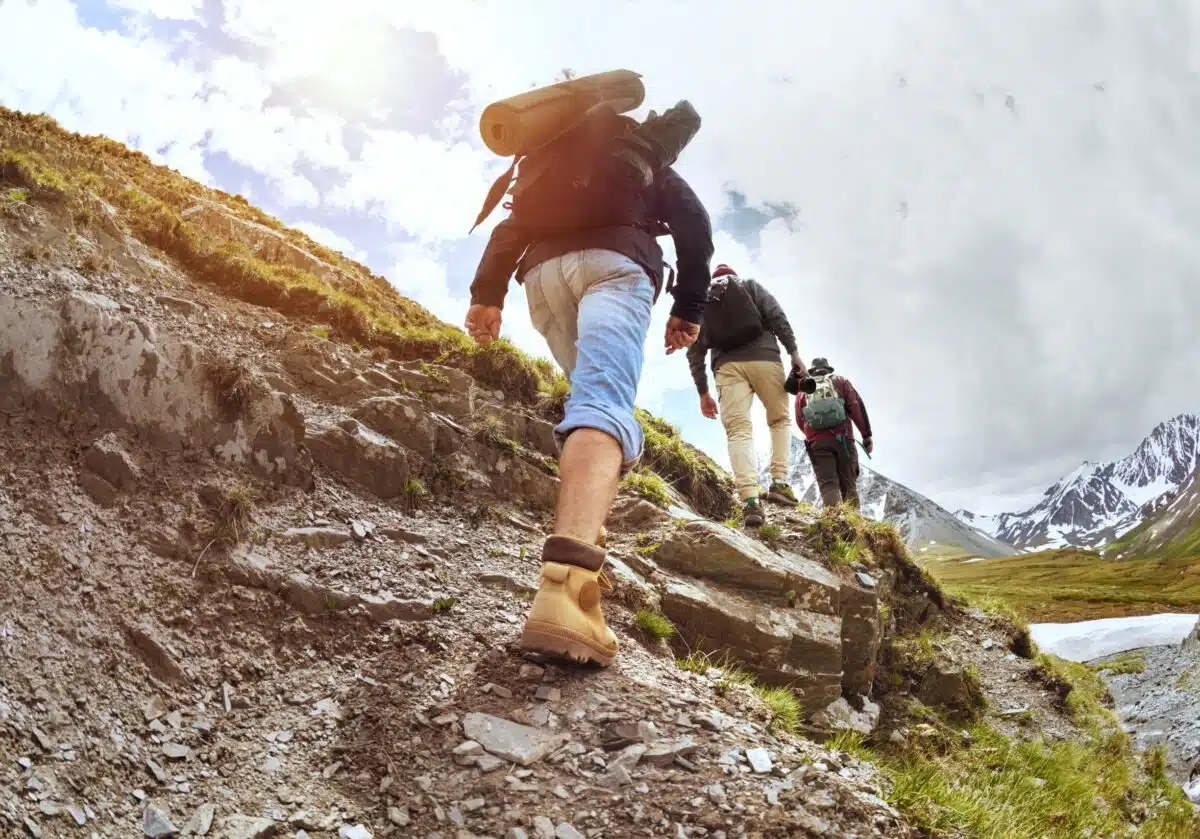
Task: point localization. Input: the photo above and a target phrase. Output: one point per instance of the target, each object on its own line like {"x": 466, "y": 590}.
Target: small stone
{"x": 154, "y": 708}
{"x": 516, "y": 833}
{"x": 615, "y": 778}
{"x": 865, "y": 580}
{"x": 271, "y": 764}
{"x": 760, "y": 760}
{"x": 566, "y": 831}
{"x": 398, "y": 816}
{"x": 176, "y": 751}
{"x": 468, "y": 747}
{"x": 359, "y": 529}
{"x": 509, "y": 740}
{"x": 488, "y": 763}
{"x": 498, "y": 690}
{"x": 445, "y": 719}
{"x": 473, "y": 804}
{"x": 157, "y": 772}
{"x": 562, "y": 793}
{"x": 156, "y": 823}
{"x": 357, "y": 831}
{"x": 247, "y": 827}
{"x": 331, "y": 770}
{"x": 201, "y": 821}
{"x": 78, "y": 815}
{"x": 546, "y": 693}
{"x": 34, "y": 829}
{"x": 543, "y": 827}
{"x": 531, "y": 672}
{"x": 988, "y": 643}
{"x": 42, "y": 739}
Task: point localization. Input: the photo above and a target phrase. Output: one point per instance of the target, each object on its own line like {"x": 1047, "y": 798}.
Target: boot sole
{"x": 781, "y": 499}
{"x": 559, "y": 642}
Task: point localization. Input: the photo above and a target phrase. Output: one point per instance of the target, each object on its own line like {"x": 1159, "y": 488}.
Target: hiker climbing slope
{"x": 743, "y": 326}
{"x": 826, "y": 408}
{"x": 587, "y": 206}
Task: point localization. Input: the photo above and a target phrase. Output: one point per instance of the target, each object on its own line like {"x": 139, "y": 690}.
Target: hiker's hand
{"x": 680, "y": 334}
{"x": 708, "y": 406}
{"x": 798, "y": 364}
{"x": 869, "y": 445}
{"x": 483, "y": 323}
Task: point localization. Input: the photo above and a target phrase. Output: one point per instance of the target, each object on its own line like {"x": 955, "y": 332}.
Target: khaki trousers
{"x": 738, "y": 382}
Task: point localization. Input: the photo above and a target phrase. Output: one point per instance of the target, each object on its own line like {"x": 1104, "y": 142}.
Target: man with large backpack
{"x": 743, "y": 326}
{"x": 825, "y": 409}
{"x": 581, "y": 237}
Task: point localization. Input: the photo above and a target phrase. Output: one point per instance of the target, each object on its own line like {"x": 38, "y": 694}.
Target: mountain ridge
{"x": 921, "y": 521}
{"x": 1100, "y": 501}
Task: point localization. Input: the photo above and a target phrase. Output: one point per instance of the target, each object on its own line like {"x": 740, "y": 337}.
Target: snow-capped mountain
{"x": 1100, "y": 501}
{"x": 921, "y": 521}
{"x": 1173, "y": 529}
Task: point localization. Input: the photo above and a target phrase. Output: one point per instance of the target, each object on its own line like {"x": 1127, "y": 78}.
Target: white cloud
{"x": 180, "y": 10}
{"x": 330, "y": 239}
{"x": 417, "y": 184}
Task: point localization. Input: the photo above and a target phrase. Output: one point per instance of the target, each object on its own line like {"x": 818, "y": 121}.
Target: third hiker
{"x": 825, "y": 409}
{"x": 742, "y": 324}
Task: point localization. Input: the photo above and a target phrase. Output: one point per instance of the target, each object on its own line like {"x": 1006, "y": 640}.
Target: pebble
{"x": 176, "y": 751}
{"x": 357, "y": 831}
{"x": 546, "y": 693}
{"x": 760, "y": 760}
{"x": 398, "y": 816}
{"x": 516, "y": 833}
{"x": 566, "y": 831}
{"x": 531, "y": 672}
{"x": 543, "y": 827}
{"x": 157, "y": 824}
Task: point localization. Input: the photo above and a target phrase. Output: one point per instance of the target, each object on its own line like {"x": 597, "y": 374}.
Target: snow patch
{"x": 1087, "y": 640}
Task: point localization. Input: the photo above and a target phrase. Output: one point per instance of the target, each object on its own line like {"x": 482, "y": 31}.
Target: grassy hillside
{"x": 1072, "y": 584}
{"x": 221, "y": 240}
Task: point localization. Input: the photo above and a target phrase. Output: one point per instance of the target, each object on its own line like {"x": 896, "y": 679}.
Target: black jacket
{"x": 670, "y": 200}
{"x": 762, "y": 348}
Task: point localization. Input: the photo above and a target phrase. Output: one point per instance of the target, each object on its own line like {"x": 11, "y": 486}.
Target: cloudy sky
{"x": 984, "y": 213}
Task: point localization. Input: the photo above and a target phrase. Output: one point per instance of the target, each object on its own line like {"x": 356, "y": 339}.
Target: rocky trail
{"x": 257, "y": 582}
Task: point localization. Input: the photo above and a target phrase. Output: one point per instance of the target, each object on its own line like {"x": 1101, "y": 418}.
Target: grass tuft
{"x": 1129, "y": 662}
{"x": 770, "y": 534}
{"x": 649, "y": 486}
{"x": 655, "y": 626}
{"x": 413, "y": 495}
{"x": 231, "y": 384}
{"x": 785, "y": 708}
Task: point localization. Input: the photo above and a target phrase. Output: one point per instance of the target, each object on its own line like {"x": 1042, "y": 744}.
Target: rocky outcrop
{"x": 84, "y": 361}
{"x": 362, "y": 455}
{"x": 1191, "y": 644}
{"x": 785, "y": 617}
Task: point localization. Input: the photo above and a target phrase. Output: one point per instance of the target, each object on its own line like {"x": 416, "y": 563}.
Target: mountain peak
{"x": 1098, "y": 501}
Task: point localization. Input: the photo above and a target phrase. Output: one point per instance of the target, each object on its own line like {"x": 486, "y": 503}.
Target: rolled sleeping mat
{"x": 519, "y": 124}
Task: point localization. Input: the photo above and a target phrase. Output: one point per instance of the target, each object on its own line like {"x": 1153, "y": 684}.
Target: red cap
{"x": 721, "y": 270}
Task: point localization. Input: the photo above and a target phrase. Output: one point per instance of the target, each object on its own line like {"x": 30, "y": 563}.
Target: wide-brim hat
{"x": 820, "y": 366}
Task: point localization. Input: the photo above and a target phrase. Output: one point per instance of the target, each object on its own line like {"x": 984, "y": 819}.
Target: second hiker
{"x": 743, "y": 326}
{"x": 825, "y": 409}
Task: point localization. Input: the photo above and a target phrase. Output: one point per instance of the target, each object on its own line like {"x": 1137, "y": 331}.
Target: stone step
{"x": 781, "y": 646}
{"x": 708, "y": 551}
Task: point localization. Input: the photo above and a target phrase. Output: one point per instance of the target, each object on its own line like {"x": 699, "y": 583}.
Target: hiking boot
{"x": 781, "y": 493}
{"x": 658, "y": 141}
{"x": 753, "y": 514}
{"x": 565, "y": 620}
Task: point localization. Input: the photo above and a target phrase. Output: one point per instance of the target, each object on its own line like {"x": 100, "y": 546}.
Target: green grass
{"x": 695, "y": 475}
{"x": 655, "y": 626}
{"x": 1130, "y": 662}
{"x": 1071, "y": 584}
{"x": 321, "y": 332}
{"x": 444, "y": 604}
{"x": 648, "y": 485}
{"x": 844, "y": 553}
{"x": 413, "y": 494}
{"x": 770, "y": 534}
{"x": 20, "y": 195}
{"x": 852, "y": 742}
{"x": 785, "y": 708}
{"x": 1003, "y": 788}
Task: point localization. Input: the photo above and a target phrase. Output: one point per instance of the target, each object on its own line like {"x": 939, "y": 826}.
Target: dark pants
{"x": 835, "y": 463}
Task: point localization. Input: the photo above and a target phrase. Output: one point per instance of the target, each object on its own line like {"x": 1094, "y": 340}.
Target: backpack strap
{"x": 499, "y": 187}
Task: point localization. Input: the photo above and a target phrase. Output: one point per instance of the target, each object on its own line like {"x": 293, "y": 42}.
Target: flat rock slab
{"x": 709, "y": 551}
{"x": 317, "y": 537}
{"x": 247, "y": 827}
{"x": 521, "y": 744}
{"x": 783, "y": 646}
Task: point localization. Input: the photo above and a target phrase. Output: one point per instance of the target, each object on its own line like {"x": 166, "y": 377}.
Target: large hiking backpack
{"x": 573, "y": 182}
{"x": 732, "y": 319}
{"x": 824, "y": 408}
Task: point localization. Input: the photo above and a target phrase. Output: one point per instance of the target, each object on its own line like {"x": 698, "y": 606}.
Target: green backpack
{"x": 824, "y": 408}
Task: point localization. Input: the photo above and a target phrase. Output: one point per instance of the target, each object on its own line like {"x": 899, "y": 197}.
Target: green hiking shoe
{"x": 781, "y": 493}
{"x": 753, "y": 514}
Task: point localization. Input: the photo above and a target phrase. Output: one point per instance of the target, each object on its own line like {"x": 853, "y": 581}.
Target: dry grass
{"x": 231, "y": 386}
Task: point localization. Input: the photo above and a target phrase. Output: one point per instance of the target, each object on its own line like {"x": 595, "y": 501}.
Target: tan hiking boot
{"x": 565, "y": 620}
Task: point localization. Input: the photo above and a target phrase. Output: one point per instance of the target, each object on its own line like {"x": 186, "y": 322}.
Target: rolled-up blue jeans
{"x": 593, "y": 309}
